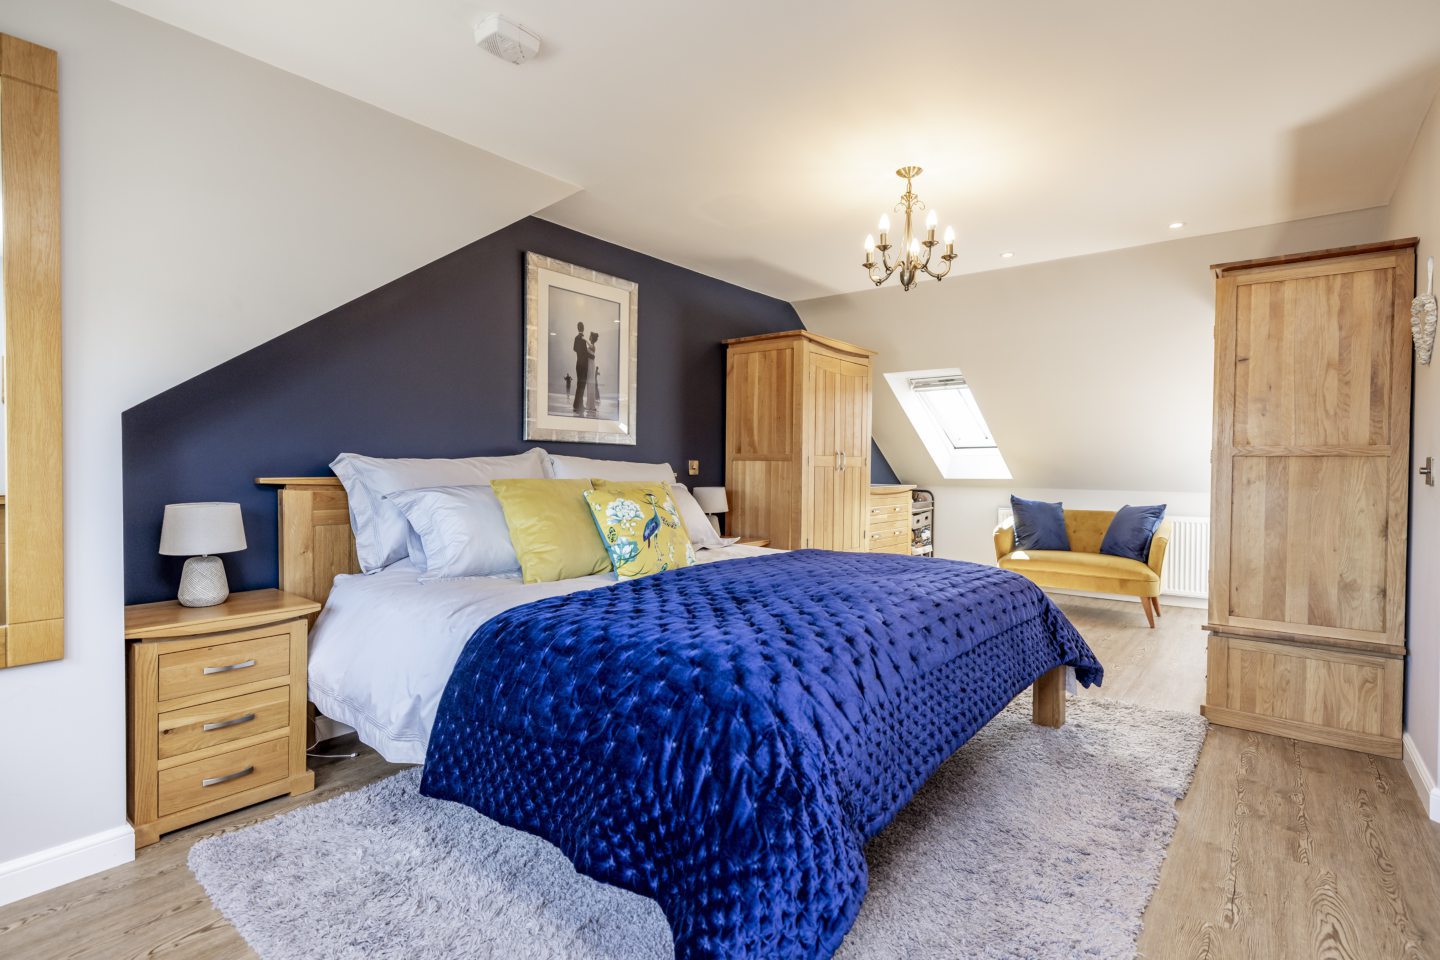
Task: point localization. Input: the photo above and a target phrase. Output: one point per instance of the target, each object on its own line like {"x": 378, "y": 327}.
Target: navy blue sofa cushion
{"x": 1130, "y": 531}
{"x": 1039, "y": 525}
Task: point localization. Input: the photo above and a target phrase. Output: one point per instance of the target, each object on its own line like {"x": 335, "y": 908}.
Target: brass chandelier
{"x": 914, "y": 254}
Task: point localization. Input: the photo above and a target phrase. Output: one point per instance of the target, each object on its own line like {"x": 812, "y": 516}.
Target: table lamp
{"x": 197, "y": 531}
{"x": 713, "y": 501}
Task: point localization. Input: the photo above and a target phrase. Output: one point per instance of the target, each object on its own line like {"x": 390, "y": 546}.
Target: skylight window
{"x": 952, "y": 406}
{"x": 944, "y": 412}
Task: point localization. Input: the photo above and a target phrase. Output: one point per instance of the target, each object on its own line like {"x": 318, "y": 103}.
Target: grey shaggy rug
{"x": 1027, "y": 843}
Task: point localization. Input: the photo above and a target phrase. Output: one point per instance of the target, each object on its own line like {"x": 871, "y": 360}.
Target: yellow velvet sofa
{"x": 1083, "y": 566}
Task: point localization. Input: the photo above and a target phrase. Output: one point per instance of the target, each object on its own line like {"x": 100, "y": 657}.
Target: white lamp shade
{"x": 196, "y": 529}
{"x": 712, "y": 499}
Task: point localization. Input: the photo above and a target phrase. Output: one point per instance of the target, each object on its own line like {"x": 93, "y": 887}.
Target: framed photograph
{"x": 580, "y": 335}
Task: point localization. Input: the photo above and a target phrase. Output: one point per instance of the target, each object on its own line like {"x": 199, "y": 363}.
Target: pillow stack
{"x": 541, "y": 516}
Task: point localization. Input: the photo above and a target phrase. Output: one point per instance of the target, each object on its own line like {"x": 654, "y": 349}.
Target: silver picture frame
{"x": 581, "y": 332}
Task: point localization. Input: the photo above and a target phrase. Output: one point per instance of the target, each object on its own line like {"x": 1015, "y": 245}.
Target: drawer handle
{"x": 234, "y": 666}
{"x": 221, "y": 725}
{"x": 216, "y": 781}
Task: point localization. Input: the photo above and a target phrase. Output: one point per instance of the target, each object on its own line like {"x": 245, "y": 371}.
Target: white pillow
{"x": 462, "y": 530}
{"x": 380, "y": 529}
{"x": 702, "y": 532}
{"x": 584, "y": 468}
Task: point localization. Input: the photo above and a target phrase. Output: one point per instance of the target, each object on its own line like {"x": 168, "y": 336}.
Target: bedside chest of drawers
{"x": 217, "y": 707}
{"x": 888, "y": 530}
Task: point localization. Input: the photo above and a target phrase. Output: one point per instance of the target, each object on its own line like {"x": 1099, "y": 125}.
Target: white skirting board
{"x": 1421, "y": 776}
{"x": 46, "y": 869}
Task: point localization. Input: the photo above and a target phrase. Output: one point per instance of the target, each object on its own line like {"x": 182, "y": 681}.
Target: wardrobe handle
{"x": 226, "y": 669}
{"x": 841, "y": 455}
{"x": 221, "y": 725}
{"x": 216, "y": 781}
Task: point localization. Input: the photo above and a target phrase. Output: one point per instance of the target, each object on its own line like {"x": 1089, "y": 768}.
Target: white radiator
{"x": 1187, "y": 559}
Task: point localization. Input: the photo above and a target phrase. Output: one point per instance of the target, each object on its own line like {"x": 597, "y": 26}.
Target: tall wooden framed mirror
{"x": 32, "y": 608}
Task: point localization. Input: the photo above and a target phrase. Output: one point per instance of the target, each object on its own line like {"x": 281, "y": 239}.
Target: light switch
{"x": 694, "y": 468}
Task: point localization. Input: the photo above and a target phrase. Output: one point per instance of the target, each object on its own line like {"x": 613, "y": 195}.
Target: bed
{"x": 722, "y": 738}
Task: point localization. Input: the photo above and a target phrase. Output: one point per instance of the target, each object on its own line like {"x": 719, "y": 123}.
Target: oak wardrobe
{"x": 797, "y": 440}
{"x": 1311, "y": 495}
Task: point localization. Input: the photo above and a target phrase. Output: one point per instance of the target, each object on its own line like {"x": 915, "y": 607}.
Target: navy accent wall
{"x": 880, "y": 469}
{"x": 430, "y": 365}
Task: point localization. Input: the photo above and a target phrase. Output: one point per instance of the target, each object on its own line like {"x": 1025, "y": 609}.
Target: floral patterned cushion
{"x": 641, "y": 527}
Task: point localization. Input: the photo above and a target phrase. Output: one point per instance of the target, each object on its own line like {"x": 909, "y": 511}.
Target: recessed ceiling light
{"x": 1177, "y": 224}
{"x": 1007, "y": 255}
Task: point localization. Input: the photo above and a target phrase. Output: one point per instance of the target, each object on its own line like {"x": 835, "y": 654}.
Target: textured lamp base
{"x": 203, "y": 583}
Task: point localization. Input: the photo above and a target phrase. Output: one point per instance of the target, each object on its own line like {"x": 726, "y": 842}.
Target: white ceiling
{"x": 756, "y": 141}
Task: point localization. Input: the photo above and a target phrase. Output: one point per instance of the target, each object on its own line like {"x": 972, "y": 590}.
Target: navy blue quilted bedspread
{"x": 724, "y": 738}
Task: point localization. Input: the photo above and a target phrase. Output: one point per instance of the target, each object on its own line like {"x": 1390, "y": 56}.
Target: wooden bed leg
{"x": 1048, "y": 699}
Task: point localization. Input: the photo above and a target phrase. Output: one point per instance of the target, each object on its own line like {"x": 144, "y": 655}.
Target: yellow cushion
{"x": 1078, "y": 564}
{"x": 551, "y": 529}
{"x": 640, "y": 526}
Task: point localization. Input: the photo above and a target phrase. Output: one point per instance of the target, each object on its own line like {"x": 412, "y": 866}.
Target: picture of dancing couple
{"x": 580, "y": 377}
{"x": 587, "y": 366}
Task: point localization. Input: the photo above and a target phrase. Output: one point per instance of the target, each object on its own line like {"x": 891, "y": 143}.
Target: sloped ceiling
{"x": 1093, "y": 373}
{"x": 755, "y": 141}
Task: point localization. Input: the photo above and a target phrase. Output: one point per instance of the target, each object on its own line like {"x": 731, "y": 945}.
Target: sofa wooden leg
{"x": 1155, "y": 604}
{"x": 1149, "y": 611}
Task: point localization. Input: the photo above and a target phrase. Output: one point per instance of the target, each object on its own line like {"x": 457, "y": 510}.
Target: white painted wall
{"x": 1094, "y": 373}
{"x": 210, "y": 203}
{"x": 1415, "y": 211}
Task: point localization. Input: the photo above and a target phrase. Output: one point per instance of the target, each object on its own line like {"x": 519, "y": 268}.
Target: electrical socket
{"x": 694, "y": 468}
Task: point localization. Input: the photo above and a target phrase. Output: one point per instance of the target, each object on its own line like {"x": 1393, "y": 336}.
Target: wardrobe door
{"x": 1312, "y": 448}
{"x": 839, "y": 441}
{"x": 762, "y": 440}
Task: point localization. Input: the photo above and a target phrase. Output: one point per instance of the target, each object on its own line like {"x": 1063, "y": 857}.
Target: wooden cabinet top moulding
{"x": 839, "y": 346}
{"x": 1289, "y": 259}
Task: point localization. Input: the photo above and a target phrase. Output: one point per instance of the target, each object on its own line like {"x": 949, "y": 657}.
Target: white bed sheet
{"x": 385, "y": 644}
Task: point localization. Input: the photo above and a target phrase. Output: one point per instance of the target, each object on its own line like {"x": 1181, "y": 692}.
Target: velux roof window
{"x": 943, "y": 410}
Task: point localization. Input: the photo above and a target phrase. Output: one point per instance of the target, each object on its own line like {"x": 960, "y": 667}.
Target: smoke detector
{"x": 506, "y": 39}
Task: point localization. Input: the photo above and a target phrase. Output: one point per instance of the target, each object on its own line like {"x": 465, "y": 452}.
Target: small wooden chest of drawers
{"x": 217, "y": 712}
{"x": 889, "y": 527}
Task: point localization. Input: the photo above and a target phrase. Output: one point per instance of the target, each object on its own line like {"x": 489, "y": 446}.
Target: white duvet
{"x": 383, "y": 647}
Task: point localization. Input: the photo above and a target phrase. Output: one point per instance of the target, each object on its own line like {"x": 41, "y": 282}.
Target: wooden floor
{"x": 1284, "y": 850}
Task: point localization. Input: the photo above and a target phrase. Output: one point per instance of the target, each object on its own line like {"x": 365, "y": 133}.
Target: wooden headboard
{"x": 316, "y": 543}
